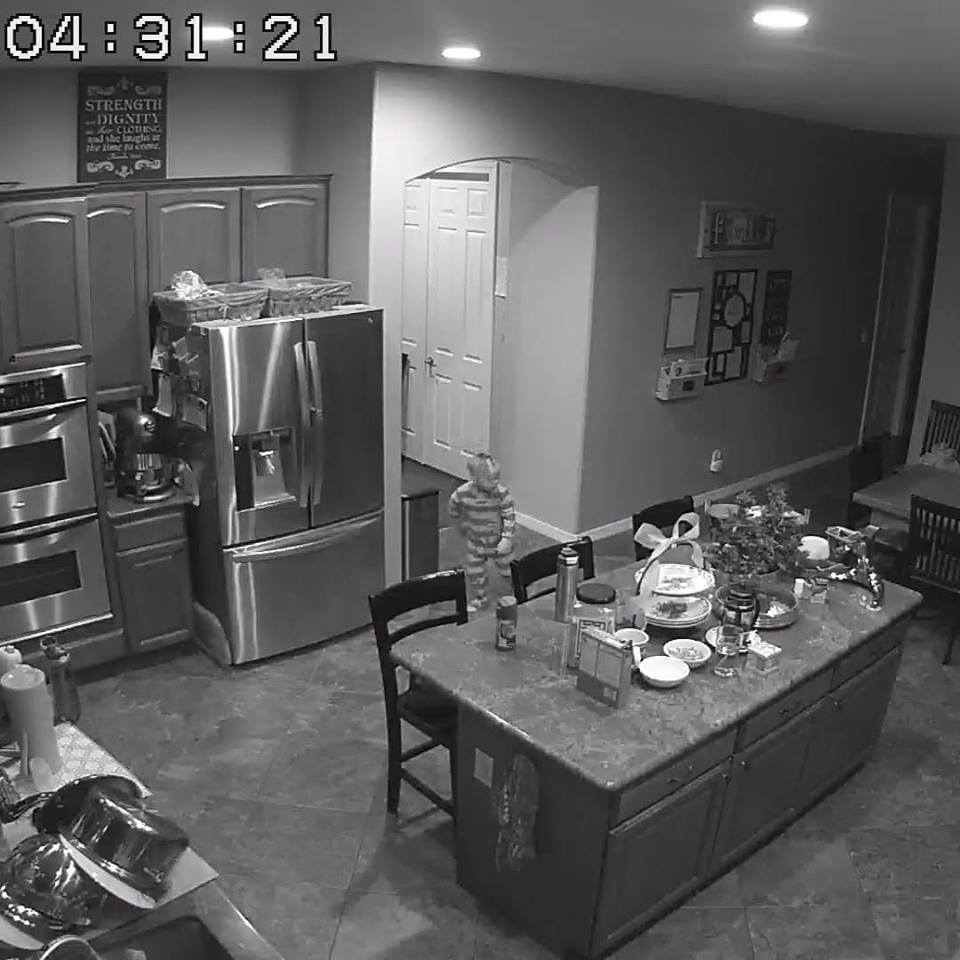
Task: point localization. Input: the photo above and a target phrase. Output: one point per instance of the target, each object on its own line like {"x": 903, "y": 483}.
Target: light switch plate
{"x": 483, "y": 767}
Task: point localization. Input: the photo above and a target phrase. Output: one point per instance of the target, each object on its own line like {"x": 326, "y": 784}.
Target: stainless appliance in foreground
{"x": 51, "y": 554}
{"x": 284, "y": 429}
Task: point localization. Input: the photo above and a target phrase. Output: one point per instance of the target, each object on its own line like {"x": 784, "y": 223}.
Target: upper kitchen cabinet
{"x": 285, "y": 227}
{"x": 195, "y": 229}
{"x": 119, "y": 294}
{"x": 44, "y": 283}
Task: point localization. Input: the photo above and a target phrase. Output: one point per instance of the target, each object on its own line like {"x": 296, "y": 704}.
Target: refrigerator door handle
{"x": 304, "y": 397}
{"x": 326, "y": 539}
{"x": 316, "y": 385}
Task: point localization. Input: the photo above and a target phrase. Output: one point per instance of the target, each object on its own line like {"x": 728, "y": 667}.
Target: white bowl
{"x": 664, "y": 672}
{"x": 635, "y": 639}
{"x": 691, "y": 652}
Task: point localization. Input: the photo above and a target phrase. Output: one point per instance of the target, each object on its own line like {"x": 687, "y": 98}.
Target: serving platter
{"x": 682, "y": 580}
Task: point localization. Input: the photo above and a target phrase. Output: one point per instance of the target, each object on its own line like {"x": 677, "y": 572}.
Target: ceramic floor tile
{"x": 797, "y": 870}
{"x": 285, "y": 843}
{"x": 714, "y": 934}
{"x": 907, "y": 863}
{"x": 299, "y": 919}
{"x": 374, "y": 926}
{"x": 836, "y": 932}
{"x": 350, "y": 664}
{"x": 496, "y": 939}
{"x": 723, "y": 892}
{"x": 916, "y": 929}
{"x": 332, "y": 714}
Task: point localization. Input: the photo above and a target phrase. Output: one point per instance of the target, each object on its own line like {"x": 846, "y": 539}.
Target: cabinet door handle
{"x": 673, "y": 780}
{"x": 743, "y": 764}
{"x": 838, "y": 704}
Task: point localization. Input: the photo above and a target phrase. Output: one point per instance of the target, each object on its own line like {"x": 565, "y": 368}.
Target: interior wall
{"x": 336, "y": 121}
{"x": 938, "y": 376}
{"x": 654, "y": 160}
{"x": 220, "y": 123}
{"x": 541, "y": 378}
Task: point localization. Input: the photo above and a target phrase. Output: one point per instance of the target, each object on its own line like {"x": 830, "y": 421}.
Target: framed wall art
{"x": 776, "y": 302}
{"x": 731, "y": 325}
{"x": 683, "y": 311}
{"x": 731, "y": 229}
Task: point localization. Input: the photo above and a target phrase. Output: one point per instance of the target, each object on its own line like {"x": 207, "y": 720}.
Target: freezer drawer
{"x": 297, "y": 590}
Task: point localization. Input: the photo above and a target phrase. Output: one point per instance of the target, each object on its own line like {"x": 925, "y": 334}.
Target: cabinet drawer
{"x": 868, "y": 653}
{"x": 677, "y": 775}
{"x": 153, "y": 528}
{"x": 783, "y": 709}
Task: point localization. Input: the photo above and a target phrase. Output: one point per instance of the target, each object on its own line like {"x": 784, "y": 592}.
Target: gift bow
{"x": 653, "y": 538}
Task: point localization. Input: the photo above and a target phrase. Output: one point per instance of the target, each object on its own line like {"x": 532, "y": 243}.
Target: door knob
{"x": 431, "y": 363}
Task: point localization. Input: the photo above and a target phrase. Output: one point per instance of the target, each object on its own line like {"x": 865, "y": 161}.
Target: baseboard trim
{"x": 730, "y": 490}
{"x": 547, "y": 529}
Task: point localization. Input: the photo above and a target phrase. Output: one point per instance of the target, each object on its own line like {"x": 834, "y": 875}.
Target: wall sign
{"x": 727, "y": 229}
{"x": 121, "y": 126}
{"x": 731, "y": 325}
{"x": 776, "y": 301}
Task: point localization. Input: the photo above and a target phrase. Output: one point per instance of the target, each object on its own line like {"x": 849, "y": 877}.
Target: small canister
{"x": 507, "y": 623}
{"x": 595, "y": 606}
{"x": 818, "y": 590}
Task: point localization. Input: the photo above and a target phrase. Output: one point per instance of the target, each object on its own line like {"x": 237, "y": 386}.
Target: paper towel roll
{"x": 31, "y": 712}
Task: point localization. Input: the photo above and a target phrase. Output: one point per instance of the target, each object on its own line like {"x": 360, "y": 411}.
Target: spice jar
{"x": 506, "y": 623}
{"x": 595, "y": 606}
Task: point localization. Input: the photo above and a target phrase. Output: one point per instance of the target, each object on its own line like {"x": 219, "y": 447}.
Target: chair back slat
{"x": 934, "y": 543}
{"x": 943, "y": 426}
{"x": 433, "y": 589}
{"x": 540, "y": 564}
{"x": 661, "y": 515}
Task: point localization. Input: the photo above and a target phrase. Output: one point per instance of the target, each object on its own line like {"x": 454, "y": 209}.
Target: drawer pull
{"x": 673, "y": 780}
{"x": 743, "y": 764}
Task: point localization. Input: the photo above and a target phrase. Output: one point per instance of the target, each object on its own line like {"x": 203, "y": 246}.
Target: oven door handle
{"x": 34, "y": 413}
{"x": 45, "y": 529}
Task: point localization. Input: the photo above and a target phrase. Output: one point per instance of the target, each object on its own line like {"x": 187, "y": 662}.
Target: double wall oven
{"x": 51, "y": 554}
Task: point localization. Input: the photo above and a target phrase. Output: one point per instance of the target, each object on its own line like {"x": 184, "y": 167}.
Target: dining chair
{"x": 933, "y": 554}
{"x": 662, "y": 515}
{"x": 943, "y": 426}
{"x": 422, "y": 705}
{"x": 540, "y": 564}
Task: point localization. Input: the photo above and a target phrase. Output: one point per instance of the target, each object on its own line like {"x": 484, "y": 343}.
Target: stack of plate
{"x": 676, "y": 613}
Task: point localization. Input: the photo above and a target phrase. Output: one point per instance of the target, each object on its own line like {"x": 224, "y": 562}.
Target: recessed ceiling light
{"x": 215, "y": 33}
{"x": 461, "y": 53}
{"x": 781, "y": 18}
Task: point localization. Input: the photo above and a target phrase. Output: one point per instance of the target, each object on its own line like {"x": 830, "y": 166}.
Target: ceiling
{"x": 895, "y": 70}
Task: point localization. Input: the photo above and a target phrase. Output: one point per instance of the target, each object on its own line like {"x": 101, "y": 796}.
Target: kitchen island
{"x": 640, "y": 807}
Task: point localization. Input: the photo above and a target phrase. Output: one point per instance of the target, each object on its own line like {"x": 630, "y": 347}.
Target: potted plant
{"x": 756, "y": 540}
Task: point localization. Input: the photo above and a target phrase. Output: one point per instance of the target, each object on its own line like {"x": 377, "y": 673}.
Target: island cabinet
{"x": 45, "y": 315}
{"x": 153, "y": 570}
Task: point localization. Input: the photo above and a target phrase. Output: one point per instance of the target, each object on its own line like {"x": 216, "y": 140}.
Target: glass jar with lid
{"x": 595, "y": 606}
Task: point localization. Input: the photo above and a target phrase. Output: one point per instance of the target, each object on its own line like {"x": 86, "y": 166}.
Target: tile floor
{"x": 277, "y": 772}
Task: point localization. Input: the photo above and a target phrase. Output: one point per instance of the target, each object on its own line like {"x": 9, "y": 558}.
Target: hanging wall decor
{"x": 683, "y": 310}
{"x": 776, "y": 301}
{"x": 731, "y": 325}
{"x": 728, "y": 229}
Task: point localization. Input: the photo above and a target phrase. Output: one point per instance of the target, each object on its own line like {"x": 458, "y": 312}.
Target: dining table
{"x": 889, "y": 498}
{"x": 583, "y": 822}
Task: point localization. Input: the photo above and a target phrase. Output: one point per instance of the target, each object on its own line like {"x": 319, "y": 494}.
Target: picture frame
{"x": 683, "y": 316}
{"x": 729, "y": 229}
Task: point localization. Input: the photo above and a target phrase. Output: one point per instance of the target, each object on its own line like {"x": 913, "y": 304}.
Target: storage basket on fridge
{"x": 294, "y": 296}
{"x": 219, "y": 301}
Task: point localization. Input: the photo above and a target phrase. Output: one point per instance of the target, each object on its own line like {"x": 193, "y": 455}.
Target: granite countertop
{"x": 120, "y": 508}
{"x": 892, "y": 494}
{"x": 524, "y": 691}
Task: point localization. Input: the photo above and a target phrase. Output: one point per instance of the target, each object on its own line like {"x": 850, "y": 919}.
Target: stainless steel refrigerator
{"x": 282, "y": 420}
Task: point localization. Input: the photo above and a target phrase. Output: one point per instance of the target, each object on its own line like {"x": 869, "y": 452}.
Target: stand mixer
{"x": 144, "y": 471}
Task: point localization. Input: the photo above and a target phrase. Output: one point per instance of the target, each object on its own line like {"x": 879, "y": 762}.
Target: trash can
{"x": 420, "y": 533}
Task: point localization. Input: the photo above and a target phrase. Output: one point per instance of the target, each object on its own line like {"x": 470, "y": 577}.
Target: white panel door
{"x": 414, "y": 316}
{"x": 459, "y": 319}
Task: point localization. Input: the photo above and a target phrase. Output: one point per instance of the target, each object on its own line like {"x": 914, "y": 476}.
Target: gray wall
{"x": 654, "y": 159}
{"x": 220, "y": 123}
{"x": 336, "y": 121}
{"x": 939, "y": 379}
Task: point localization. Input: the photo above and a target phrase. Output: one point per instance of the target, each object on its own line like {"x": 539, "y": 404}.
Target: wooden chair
{"x": 866, "y": 467}
{"x": 933, "y": 553}
{"x": 943, "y": 426}
{"x": 662, "y": 515}
{"x": 542, "y": 563}
{"x": 423, "y": 706}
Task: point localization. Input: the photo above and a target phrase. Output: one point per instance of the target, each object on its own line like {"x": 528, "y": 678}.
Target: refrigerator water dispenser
{"x": 264, "y": 468}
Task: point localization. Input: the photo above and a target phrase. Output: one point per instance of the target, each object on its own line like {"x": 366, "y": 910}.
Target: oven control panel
{"x": 33, "y": 392}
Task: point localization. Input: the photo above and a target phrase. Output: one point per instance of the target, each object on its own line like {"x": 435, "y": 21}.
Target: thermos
{"x": 568, "y": 572}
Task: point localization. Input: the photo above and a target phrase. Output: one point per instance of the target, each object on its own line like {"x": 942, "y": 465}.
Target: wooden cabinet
{"x": 194, "y": 229}
{"x": 44, "y": 283}
{"x": 763, "y": 788}
{"x": 153, "y": 569}
{"x": 119, "y": 294}
{"x": 847, "y": 726}
{"x": 285, "y": 227}
{"x": 657, "y": 858}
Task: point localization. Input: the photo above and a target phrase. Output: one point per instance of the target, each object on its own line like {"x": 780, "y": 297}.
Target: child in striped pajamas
{"x": 483, "y": 510}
